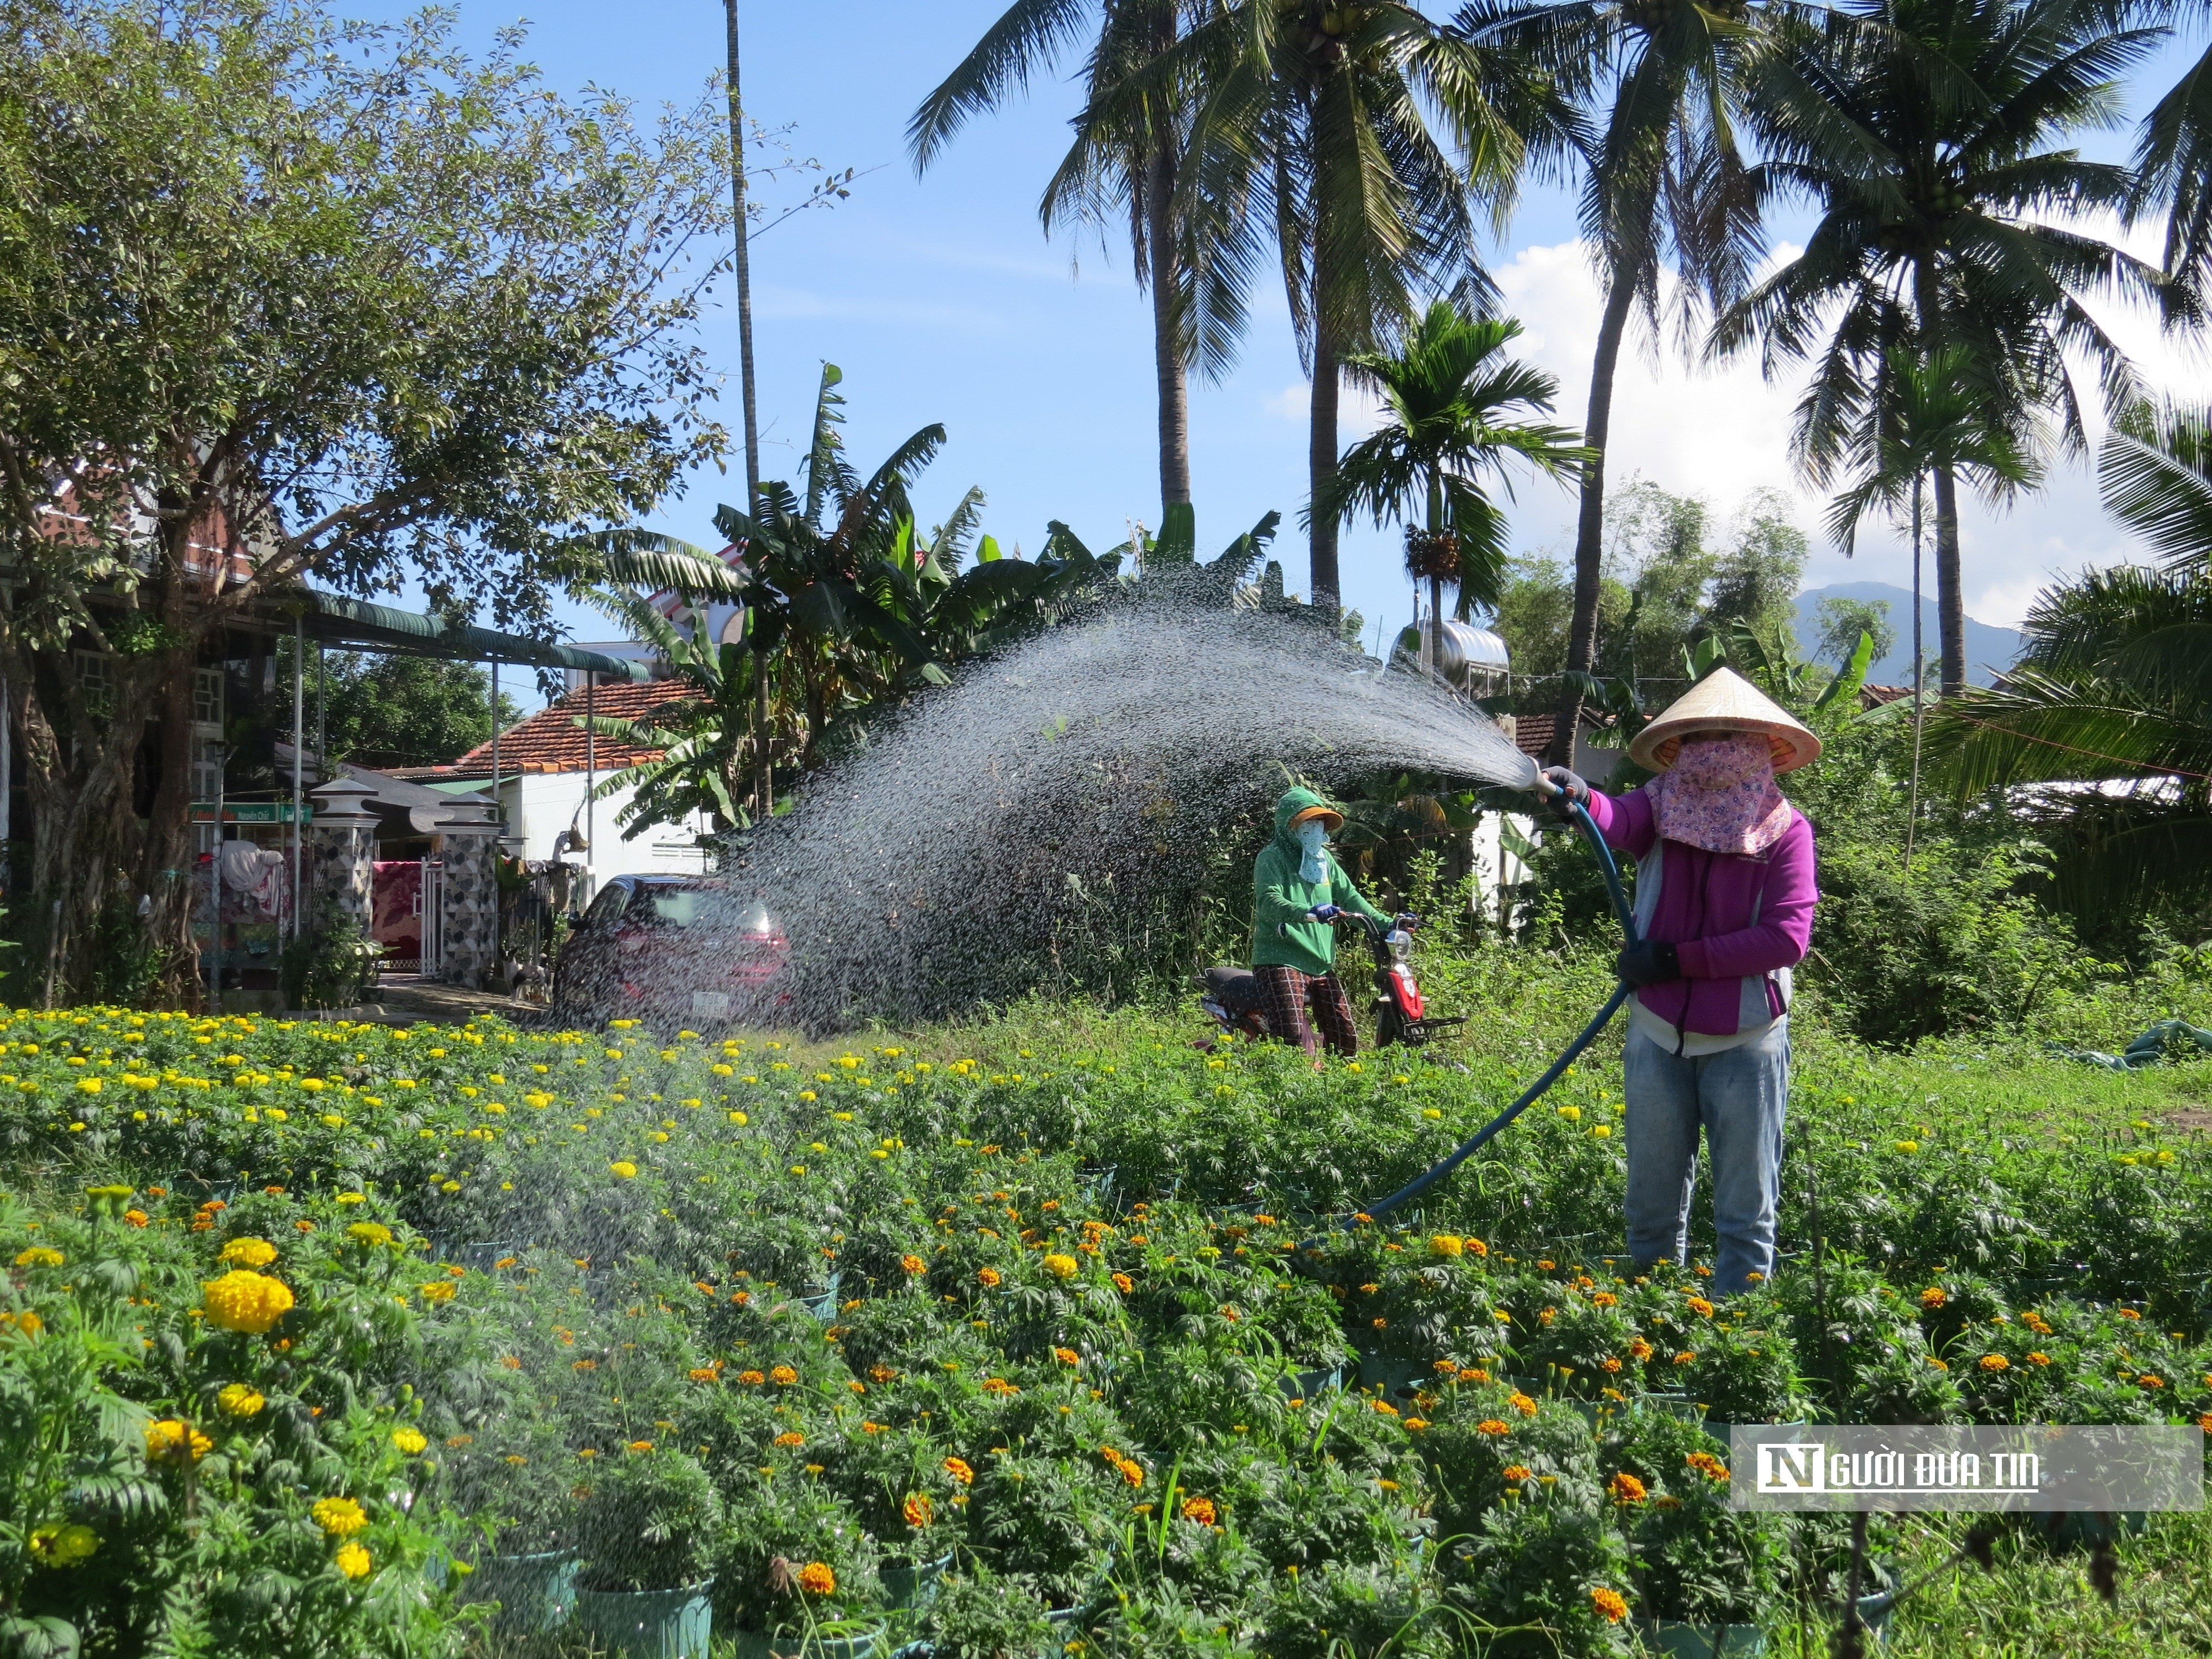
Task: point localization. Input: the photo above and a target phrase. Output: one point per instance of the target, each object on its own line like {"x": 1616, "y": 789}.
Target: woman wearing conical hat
{"x": 1724, "y": 899}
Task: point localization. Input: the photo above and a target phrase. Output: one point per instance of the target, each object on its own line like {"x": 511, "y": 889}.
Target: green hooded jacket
{"x": 1282, "y": 937}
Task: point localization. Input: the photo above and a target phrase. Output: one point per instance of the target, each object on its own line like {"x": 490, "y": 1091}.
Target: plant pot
{"x": 751, "y": 1645}
{"x": 536, "y": 1593}
{"x": 1305, "y": 1385}
{"x": 1672, "y": 1405}
{"x": 673, "y": 1623}
{"x": 821, "y": 1300}
{"x": 913, "y": 1587}
{"x": 1874, "y": 1612}
{"x": 1398, "y": 1379}
{"x": 1688, "y": 1641}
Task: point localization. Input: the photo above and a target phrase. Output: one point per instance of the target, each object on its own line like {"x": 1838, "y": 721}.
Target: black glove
{"x": 1648, "y": 962}
{"x": 1571, "y": 788}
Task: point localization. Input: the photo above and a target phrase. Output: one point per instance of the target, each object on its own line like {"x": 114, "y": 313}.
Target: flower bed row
{"x": 315, "y": 1335}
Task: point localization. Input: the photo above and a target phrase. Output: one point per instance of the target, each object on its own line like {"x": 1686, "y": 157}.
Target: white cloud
{"x": 1358, "y": 411}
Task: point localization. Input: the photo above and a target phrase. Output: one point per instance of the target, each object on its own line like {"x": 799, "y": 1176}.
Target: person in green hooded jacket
{"x": 1299, "y": 890}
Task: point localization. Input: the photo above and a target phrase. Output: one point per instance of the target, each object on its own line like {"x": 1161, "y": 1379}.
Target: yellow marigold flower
{"x": 39, "y": 1256}
{"x": 245, "y": 1301}
{"x": 1699, "y": 1305}
{"x": 1995, "y": 1362}
{"x": 782, "y": 1375}
{"x": 816, "y": 1579}
{"x": 66, "y": 1545}
{"x": 1626, "y": 1488}
{"x": 26, "y": 1322}
{"x": 641, "y": 1446}
{"x": 239, "y": 1401}
{"x": 960, "y": 1471}
{"x": 248, "y": 1253}
{"x": 1608, "y": 1602}
{"x": 919, "y": 1511}
{"x": 1061, "y": 1266}
{"x": 410, "y": 1441}
{"x": 623, "y": 1170}
{"x": 1200, "y": 1510}
{"x": 1933, "y": 1298}
{"x": 1493, "y": 1425}
{"x": 353, "y": 1561}
{"x": 913, "y": 1264}
{"x": 437, "y": 1291}
{"x": 1447, "y": 1244}
{"x": 341, "y": 1518}
{"x": 170, "y": 1440}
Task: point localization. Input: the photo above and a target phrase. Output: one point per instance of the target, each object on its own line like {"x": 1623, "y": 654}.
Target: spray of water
{"x": 1077, "y": 787}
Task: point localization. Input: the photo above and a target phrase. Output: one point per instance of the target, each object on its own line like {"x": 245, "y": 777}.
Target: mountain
{"x": 1989, "y": 650}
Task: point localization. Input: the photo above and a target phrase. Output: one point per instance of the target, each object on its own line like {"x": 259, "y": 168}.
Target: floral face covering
{"x": 1721, "y": 797}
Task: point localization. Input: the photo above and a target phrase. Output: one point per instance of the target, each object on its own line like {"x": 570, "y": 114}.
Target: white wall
{"x": 541, "y": 805}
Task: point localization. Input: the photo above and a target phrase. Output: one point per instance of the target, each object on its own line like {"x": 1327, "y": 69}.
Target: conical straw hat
{"x": 1725, "y": 702}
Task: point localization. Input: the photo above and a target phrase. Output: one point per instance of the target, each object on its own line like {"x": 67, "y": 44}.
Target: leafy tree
{"x": 1842, "y": 621}
{"x": 1663, "y": 89}
{"x": 1312, "y": 134}
{"x": 1930, "y": 136}
{"x": 1126, "y": 159}
{"x": 1455, "y": 409}
{"x": 2115, "y": 691}
{"x": 386, "y": 711}
{"x": 307, "y": 301}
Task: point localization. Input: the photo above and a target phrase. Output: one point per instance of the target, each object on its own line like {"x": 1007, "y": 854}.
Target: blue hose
{"x": 1489, "y": 1131}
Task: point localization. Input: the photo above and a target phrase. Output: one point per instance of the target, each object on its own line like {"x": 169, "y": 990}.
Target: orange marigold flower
{"x": 2039, "y": 1358}
{"x": 816, "y": 1579}
{"x": 1605, "y": 1299}
{"x": 1639, "y": 1349}
{"x": 1521, "y": 1403}
{"x": 999, "y": 1385}
{"x": 1626, "y": 1488}
{"x": 705, "y": 1374}
{"x": 1933, "y": 1298}
{"x": 1384, "y": 1407}
{"x": 1492, "y": 1425}
{"x": 791, "y": 1437}
{"x": 1685, "y": 1357}
{"x": 2127, "y": 1313}
{"x": 881, "y": 1374}
{"x": 1067, "y": 1356}
{"x": 1608, "y": 1602}
{"x": 1417, "y": 1424}
{"x": 1200, "y": 1510}
{"x": 959, "y": 1471}
{"x": 920, "y": 1512}
{"x": 1519, "y": 1472}
{"x": 1474, "y": 1374}
{"x": 1995, "y": 1362}
{"x": 1124, "y": 1283}
{"x": 1132, "y": 1471}
{"x": 782, "y": 1375}
{"x": 990, "y": 1277}
{"x": 1609, "y": 1364}
{"x": 1699, "y": 1305}
{"x": 755, "y": 1377}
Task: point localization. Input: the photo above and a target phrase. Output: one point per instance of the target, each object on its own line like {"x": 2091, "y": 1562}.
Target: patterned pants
{"x": 1284, "y": 994}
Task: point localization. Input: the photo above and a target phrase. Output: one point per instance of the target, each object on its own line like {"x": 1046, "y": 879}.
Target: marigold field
{"x": 1037, "y": 1336}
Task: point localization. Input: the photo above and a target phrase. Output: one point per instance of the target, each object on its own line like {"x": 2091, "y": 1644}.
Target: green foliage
{"x": 1842, "y": 621}
{"x": 650, "y": 1520}
{"x": 385, "y": 711}
{"x": 979, "y": 1614}
{"x": 327, "y": 964}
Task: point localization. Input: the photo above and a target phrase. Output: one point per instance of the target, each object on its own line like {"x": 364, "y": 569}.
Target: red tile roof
{"x": 550, "y": 740}
{"x": 1532, "y": 733}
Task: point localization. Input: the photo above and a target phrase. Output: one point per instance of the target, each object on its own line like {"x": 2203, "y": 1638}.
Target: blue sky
{"x": 941, "y": 300}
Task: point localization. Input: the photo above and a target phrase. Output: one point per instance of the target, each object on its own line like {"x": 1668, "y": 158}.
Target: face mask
{"x": 1313, "y": 834}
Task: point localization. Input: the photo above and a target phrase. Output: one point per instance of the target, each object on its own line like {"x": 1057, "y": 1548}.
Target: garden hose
{"x": 1482, "y": 1137}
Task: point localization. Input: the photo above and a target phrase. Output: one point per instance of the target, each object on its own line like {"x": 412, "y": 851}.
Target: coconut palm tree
{"x": 1664, "y": 186}
{"x": 1457, "y": 409}
{"x": 1928, "y": 136}
{"x": 1310, "y": 136}
{"x": 1924, "y": 415}
{"x": 1126, "y": 159}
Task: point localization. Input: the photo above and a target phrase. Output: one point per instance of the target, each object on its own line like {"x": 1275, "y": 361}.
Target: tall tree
{"x": 1929, "y": 134}
{"x": 1312, "y": 132}
{"x": 1457, "y": 411}
{"x": 1126, "y": 159}
{"x": 307, "y": 302}
{"x": 1664, "y": 186}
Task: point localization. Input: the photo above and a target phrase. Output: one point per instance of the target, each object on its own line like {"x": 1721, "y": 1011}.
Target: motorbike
{"x": 1230, "y": 996}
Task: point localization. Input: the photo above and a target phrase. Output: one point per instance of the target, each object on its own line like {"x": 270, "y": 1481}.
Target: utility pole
{"x": 767, "y": 795}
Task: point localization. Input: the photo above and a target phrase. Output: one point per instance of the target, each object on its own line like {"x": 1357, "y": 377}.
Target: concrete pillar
{"x": 342, "y": 843}
{"x": 470, "y": 852}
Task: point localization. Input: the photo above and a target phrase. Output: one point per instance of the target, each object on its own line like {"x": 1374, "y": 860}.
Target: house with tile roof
{"x": 547, "y": 766}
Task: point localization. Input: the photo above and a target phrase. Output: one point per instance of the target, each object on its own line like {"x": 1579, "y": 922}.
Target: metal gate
{"x": 430, "y": 906}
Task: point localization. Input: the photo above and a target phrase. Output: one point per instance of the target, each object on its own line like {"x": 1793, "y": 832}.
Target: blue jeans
{"x": 1739, "y": 1096}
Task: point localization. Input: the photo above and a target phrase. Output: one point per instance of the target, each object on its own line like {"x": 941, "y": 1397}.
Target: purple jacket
{"x": 1739, "y": 923}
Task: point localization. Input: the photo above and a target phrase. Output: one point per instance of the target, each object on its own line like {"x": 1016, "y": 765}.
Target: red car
{"x": 672, "y": 951}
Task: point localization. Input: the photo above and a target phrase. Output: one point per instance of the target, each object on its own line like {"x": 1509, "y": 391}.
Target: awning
{"x": 357, "y": 624}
